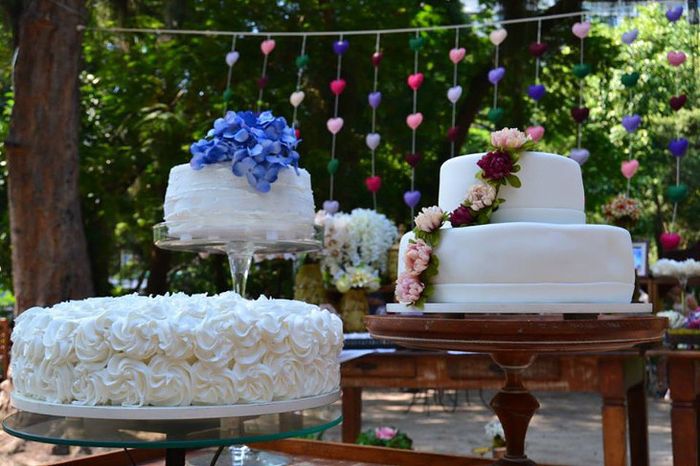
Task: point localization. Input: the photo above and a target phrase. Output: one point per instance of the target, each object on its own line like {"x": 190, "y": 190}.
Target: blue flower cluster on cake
{"x": 259, "y": 146}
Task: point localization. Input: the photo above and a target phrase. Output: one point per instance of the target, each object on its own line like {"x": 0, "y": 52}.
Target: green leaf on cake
{"x": 514, "y": 181}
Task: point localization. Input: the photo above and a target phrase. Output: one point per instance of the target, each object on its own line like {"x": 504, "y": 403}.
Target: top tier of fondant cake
{"x": 551, "y": 191}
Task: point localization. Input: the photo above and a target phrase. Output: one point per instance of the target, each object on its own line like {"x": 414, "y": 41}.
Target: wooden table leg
{"x": 175, "y": 456}
{"x": 352, "y": 413}
{"x": 683, "y": 375}
{"x": 638, "y": 424}
{"x": 612, "y": 389}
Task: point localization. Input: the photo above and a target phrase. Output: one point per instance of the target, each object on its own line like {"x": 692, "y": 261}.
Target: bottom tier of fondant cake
{"x": 175, "y": 350}
{"x": 532, "y": 263}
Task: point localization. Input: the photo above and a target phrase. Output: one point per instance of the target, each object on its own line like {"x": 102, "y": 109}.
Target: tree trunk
{"x": 49, "y": 254}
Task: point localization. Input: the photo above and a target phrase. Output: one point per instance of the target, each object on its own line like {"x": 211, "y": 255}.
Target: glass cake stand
{"x": 176, "y": 436}
{"x": 238, "y": 245}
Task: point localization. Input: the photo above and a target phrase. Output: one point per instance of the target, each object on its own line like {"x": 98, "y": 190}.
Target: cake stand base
{"x": 240, "y": 455}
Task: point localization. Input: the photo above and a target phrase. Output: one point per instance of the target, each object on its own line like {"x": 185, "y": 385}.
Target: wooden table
{"x": 684, "y": 383}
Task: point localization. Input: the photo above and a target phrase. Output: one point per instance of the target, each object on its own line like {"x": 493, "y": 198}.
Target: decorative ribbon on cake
{"x": 496, "y": 37}
{"x": 266, "y": 47}
{"x": 536, "y": 91}
{"x": 373, "y": 138}
{"x": 335, "y": 124}
{"x": 455, "y": 92}
{"x": 497, "y": 168}
{"x": 580, "y": 113}
{"x": 414, "y": 120}
{"x": 231, "y": 59}
{"x": 297, "y": 97}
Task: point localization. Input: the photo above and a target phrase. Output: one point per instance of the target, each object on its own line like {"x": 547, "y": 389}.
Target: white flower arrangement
{"x": 675, "y": 318}
{"x": 679, "y": 269}
{"x": 355, "y": 247}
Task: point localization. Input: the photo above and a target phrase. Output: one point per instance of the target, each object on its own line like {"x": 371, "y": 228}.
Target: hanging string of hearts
{"x": 455, "y": 92}
{"x": 496, "y": 37}
{"x": 297, "y": 97}
{"x": 630, "y": 121}
{"x": 231, "y": 59}
{"x": 536, "y": 91}
{"x": 580, "y": 113}
{"x": 266, "y": 47}
{"x": 678, "y": 146}
{"x": 335, "y": 124}
{"x": 373, "y": 138}
{"x": 413, "y": 121}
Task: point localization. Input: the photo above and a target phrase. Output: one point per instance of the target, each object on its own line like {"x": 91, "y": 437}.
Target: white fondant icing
{"x": 213, "y": 203}
{"x": 551, "y": 191}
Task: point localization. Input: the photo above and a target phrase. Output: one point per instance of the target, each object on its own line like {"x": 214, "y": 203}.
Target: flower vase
{"x": 353, "y": 309}
{"x": 308, "y": 284}
{"x": 498, "y": 452}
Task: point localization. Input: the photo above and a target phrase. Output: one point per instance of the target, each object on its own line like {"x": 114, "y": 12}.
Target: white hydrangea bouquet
{"x": 681, "y": 270}
{"x": 355, "y": 247}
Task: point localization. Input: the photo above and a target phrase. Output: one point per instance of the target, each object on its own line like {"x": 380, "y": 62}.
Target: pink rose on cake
{"x": 480, "y": 196}
{"x": 417, "y": 257}
{"x": 509, "y": 139}
{"x": 430, "y": 219}
{"x": 408, "y": 288}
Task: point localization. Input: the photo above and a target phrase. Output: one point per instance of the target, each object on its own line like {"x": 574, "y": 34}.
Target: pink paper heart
{"x": 670, "y": 241}
{"x": 334, "y": 125}
{"x": 498, "y": 36}
{"x": 373, "y": 183}
{"x": 338, "y": 86}
{"x": 457, "y": 55}
{"x": 581, "y": 30}
{"x": 535, "y": 132}
{"x": 415, "y": 80}
{"x": 414, "y": 120}
{"x": 629, "y": 168}
{"x": 267, "y": 46}
{"x": 676, "y": 58}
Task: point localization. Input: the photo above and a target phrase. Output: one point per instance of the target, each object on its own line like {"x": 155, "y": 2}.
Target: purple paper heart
{"x": 331, "y": 207}
{"x": 678, "y": 147}
{"x": 411, "y": 198}
{"x": 630, "y": 36}
{"x": 580, "y": 155}
{"x": 496, "y": 75}
{"x": 374, "y": 99}
{"x": 631, "y": 122}
{"x": 674, "y": 14}
{"x": 536, "y": 91}
{"x": 340, "y": 47}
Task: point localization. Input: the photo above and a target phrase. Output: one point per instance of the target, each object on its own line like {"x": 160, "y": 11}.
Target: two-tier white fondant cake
{"x": 536, "y": 248}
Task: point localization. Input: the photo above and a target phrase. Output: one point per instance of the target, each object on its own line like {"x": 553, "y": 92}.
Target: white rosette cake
{"x": 175, "y": 350}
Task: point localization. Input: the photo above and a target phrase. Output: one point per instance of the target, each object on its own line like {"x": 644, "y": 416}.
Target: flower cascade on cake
{"x": 498, "y": 168}
{"x": 258, "y": 145}
{"x": 175, "y": 350}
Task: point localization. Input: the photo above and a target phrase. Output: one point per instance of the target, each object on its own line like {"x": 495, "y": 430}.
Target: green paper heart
{"x": 630, "y": 79}
{"x": 495, "y": 114}
{"x": 582, "y": 70}
{"x": 302, "y": 61}
{"x": 677, "y": 193}
{"x": 228, "y": 95}
{"x": 416, "y": 43}
{"x": 333, "y": 166}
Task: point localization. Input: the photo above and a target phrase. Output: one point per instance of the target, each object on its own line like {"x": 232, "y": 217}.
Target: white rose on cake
{"x": 481, "y": 195}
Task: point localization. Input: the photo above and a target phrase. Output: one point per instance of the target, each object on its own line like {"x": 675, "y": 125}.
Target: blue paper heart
{"x": 331, "y": 207}
{"x": 374, "y": 99}
{"x": 674, "y": 14}
{"x": 411, "y": 198}
{"x": 630, "y": 36}
{"x": 496, "y": 75}
{"x": 536, "y": 91}
{"x": 340, "y": 47}
{"x": 580, "y": 155}
{"x": 678, "y": 147}
{"x": 631, "y": 122}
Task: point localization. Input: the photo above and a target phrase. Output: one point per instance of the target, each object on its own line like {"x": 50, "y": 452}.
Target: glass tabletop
{"x": 169, "y": 434}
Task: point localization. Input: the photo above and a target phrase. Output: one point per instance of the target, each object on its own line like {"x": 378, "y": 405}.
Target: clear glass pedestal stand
{"x": 239, "y": 247}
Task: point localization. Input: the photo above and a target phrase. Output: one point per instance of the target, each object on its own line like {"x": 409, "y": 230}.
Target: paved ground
{"x": 565, "y": 431}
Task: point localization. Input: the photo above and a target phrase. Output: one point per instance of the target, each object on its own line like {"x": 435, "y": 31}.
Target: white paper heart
{"x": 232, "y": 58}
{"x": 372, "y": 140}
{"x": 498, "y": 36}
{"x": 334, "y": 125}
{"x": 454, "y": 93}
{"x": 296, "y": 98}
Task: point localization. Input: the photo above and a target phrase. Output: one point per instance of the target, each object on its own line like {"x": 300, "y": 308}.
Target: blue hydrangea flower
{"x": 258, "y": 146}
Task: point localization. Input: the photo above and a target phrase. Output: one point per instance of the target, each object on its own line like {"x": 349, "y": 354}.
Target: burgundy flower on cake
{"x": 417, "y": 257}
{"x": 496, "y": 165}
{"x": 408, "y": 288}
{"x": 461, "y": 216}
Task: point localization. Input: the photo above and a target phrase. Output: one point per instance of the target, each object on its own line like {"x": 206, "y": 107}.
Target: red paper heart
{"x": 338, "y": 86}
{"x": 678, "y": 101}
{"x": 579, "y": 114}
{"x": 262, "y": 82}
{"x": 415, "y": 80}
{"x": 537, "y": 49}
{"x": 452, "y": 134}
{"x": 297, "y": 133}
{"x": 377, "y": 58}
{"x": 669, "y": 241}
{"x": 413, "y": 159}
{"x": 373, "y": 183}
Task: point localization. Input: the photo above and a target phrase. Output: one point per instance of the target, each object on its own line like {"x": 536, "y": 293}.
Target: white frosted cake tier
{"x": 213, "y": 203}
{"x": 532, "y": 263}
{"x": 551, "y": 191}
{"x": 175, "y": 350}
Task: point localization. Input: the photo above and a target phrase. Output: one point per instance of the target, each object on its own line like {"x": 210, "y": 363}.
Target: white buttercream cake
{"x": 175, "y": 350}
{"x": 537, "y": 248}
{"x": 212, "y": 203}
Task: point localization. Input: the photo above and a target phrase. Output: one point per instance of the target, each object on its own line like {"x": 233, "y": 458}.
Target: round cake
{"x": 175, "y": 350}
{"x": 536, "y": 248}
{"x": 212, "y": 203}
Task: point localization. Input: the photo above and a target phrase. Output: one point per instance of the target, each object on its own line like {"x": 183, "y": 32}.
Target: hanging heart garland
{"x": 456, "y": 56}
{"x": 580, "y": 114}
{"x": 231, "y": 59}
{"x": 496, "y": 74}
{"x": 335, "y": 123}
{"x": 373, "y": 138}
{"x": 413, "y": 120}
{"x": 536, "y": 91}
{"x": 297, "y": 97}
{"x": 266, "y": 47}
